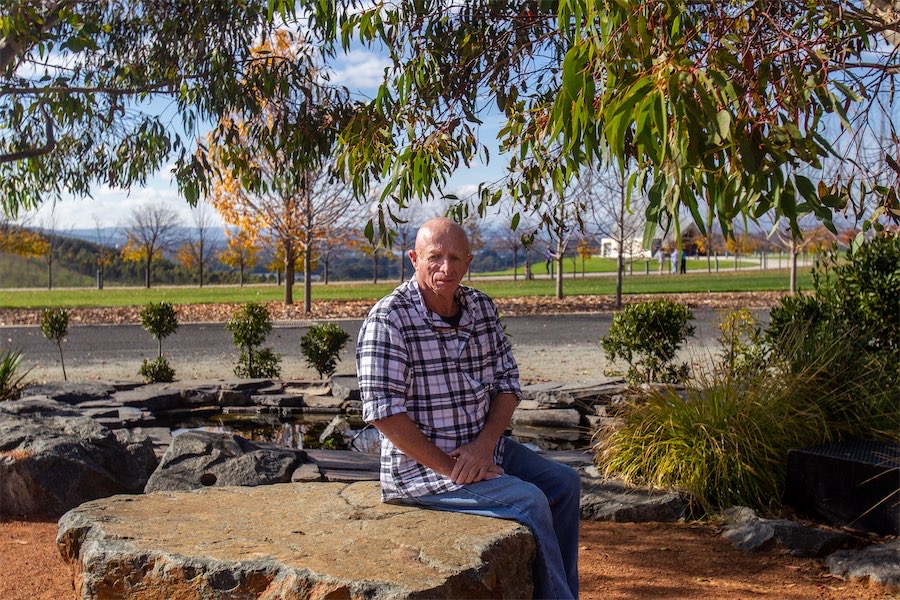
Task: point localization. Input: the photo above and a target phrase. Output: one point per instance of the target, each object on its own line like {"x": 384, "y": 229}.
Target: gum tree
{"x": 726, "y": 109}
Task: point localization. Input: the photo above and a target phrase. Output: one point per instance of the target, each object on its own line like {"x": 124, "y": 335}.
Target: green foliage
{"x": 66, "y": 131}
{"x": 722, "y": 119}
{"x": 157, "y": 370}
{"x": 647, "y": 336}
{"x": 851, "y": 321}
{"x": 10, "y": 376}
{"x": 55, "y": 327}
{"x": 321, "y": 345}
{"x": 249, "y": 327}
{"x": 160, "y": 320}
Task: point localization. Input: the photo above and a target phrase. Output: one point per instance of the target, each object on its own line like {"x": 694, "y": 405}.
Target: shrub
{"x": 55, "y": 327}
{"x": 249, "y": 327}
{"x": 849, "y": 328}
{"x": 725, "y": 443}
{"x": 160, "y": 320}
{"x": 321, "y": 345}
{"x": 157, "y": 370}
{"x": 647, "y": 336}
{"x": 10, "y": 377}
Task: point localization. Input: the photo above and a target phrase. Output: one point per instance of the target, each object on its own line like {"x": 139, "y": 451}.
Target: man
{"x": 439, "y": 382}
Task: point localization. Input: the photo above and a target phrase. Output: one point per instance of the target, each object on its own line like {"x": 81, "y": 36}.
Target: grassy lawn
{"x": 596, "y": 264}
{"x": 697, "y": 281}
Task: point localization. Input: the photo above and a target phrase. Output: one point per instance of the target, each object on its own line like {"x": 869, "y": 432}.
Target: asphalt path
{"x": 87, "y": 344}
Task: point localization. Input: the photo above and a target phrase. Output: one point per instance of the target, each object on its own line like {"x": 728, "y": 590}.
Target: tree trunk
{"x": 288, "y": 273}
{"x": 620, "y": 262}
{"x": 402, "y": 268}
{"x": 793, "y": 284}
{"x": 515, "y": 264}
{"x": 559, "y": 277}
{"x": 242, "y": 274}
{"x": 147, "y": 272}
{"x": 325, "y": 264}
{"x": 200, "y": 262}
{"x": 307, "y": 280}
{"x": 375, "y": 269}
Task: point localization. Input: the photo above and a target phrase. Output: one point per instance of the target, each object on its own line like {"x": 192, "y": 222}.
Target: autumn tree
{"x": 714, "y": 104}
{"x": 241, "y": 251}
{"x": 292, "y": 193}
{"x": 151, "y": 229}
{"x": 18, "y": 239}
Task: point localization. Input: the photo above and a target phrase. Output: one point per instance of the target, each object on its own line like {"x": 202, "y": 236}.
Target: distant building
{"x": 631, "y": 249}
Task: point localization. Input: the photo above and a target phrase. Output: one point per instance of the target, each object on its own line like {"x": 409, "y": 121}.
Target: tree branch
{"x": 32, "y": 152}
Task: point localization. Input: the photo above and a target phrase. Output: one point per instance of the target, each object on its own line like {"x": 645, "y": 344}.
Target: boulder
{"x": 609, "y": 500}
{"x": 879, "y": 563}
{"x": 750, "y": 533}
{"x": 52, "y": 460}
{"x": 345, "y": 387}
{"x": 311, "y": 540}
{"x": 198, "y": 459}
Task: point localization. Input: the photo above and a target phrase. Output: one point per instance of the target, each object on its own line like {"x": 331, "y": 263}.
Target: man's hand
{"x": 474, "y": 462}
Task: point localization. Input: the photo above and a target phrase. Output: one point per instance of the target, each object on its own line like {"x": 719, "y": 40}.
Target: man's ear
{"x": 412, "y": 256}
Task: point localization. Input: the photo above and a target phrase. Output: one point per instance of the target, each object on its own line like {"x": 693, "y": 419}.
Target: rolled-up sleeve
{"x": 383, "y": 369}
{"x": 506, "y": 368}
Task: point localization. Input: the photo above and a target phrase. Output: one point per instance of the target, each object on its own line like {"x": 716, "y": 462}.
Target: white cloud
{"x": 360, "y": 70}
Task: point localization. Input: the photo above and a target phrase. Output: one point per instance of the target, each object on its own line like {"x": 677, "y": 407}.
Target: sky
{"x": 360, "y": 70}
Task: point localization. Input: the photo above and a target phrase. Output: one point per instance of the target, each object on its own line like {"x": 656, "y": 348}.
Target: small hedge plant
{"x": 647, "y": 336}
{"x": 161, "y": 321}
{"x": 55, "y": 327}
{"x": 249, "y": 327}
{"x": 322, "y": 345}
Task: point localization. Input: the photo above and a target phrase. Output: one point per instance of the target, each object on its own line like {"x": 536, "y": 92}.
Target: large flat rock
{"x": 309, "y": 540}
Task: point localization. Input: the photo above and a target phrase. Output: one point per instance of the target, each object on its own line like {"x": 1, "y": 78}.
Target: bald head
{"x": 440, "y": 259}
{"x": 441, "y": 229}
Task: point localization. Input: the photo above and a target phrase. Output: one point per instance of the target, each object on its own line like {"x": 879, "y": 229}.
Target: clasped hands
{"x": 474, "y": 462}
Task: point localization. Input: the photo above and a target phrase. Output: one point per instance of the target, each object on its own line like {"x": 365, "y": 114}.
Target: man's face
{"x": 441, "y": 259}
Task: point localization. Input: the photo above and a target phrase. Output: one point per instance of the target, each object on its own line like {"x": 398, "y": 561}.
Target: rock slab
{"x": 52, "y": 459}
{"x": 297, "y": 541}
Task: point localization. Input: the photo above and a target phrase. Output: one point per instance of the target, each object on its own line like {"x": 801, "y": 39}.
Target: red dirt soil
{"x": 618, "y": 560}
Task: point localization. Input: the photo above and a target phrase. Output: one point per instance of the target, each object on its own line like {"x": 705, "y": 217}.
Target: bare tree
{"x": 612, "y": 213}
{"x": 151, "y": 229}
{"x": 201, "y": 241}
{"x": 52, "y": 242}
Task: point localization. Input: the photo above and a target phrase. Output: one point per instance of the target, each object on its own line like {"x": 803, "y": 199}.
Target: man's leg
{"x": 508, "y": 497}
{"x": 561, "y": 485}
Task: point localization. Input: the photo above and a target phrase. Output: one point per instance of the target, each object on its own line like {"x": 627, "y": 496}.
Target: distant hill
{"x": 16, "y": 272}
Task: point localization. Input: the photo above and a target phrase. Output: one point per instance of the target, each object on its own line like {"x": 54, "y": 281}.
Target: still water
{"x": 344, "y": 432}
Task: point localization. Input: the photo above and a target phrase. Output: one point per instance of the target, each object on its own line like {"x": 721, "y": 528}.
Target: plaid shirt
{"x": 410, "y": 361}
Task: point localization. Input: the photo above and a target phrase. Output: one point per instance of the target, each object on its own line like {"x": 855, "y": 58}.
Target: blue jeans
{"x": 536, "y": 492}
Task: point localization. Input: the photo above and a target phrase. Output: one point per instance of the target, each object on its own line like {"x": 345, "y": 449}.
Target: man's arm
{"x": 407, "y": 437}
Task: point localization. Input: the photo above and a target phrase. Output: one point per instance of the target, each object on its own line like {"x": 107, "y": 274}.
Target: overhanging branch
{"x": 32, "y": 152}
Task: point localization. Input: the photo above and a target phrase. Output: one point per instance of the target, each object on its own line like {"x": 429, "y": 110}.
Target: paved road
{"x": 98, "y": 345}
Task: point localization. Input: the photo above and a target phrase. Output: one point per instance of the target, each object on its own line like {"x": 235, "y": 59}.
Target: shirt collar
{"x": 434, "y": 320}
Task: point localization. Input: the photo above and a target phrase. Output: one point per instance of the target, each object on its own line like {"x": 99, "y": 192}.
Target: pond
{"x": 349, "y": 432}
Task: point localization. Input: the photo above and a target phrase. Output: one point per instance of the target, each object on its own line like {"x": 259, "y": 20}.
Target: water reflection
{"x": 349, "y": 433}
